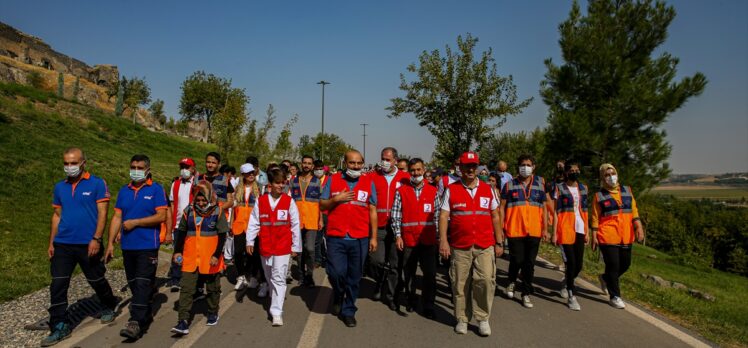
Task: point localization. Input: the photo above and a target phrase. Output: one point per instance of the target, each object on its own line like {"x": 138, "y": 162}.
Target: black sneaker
{"x": 337, "y": 304}
{"x": 350, "y": 321}
{"x": 182, "y": 328}
{"x": 131, "y": 330}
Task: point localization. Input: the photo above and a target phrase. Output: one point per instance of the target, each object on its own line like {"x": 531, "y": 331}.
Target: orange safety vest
{"x": 352, "y": 217}
{"x": 615, "y": 224}
{"x": 470, "y": 222}
{"x": 242, "y": 213}
{"x": 566, "y": 227}
{"x": 524, "y": 208}
{"x": 307, "y": 201}
{"x": 275, "y": 226}
{"x": 386, "y": 194}
{"x": 417, "y": 225}
{"x": 201, "y": 243}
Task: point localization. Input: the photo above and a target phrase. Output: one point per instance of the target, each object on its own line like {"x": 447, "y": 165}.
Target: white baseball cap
{"x": 246, "y": 168}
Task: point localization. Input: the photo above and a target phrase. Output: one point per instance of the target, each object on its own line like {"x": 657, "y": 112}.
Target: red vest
{"x": 418, "y": 215}
{"x": 470, "y": 221}
{"x": 275, "y": 226}
{"x": 351, "y": 217}
{"x": 386, "y": 194}
{"x": 175, "y": 194}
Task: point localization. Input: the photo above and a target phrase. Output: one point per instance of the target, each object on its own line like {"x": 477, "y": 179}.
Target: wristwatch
{"x": 100, "y": 240}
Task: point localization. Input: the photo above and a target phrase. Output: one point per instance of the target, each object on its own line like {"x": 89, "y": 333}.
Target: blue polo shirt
{"x": 351, "y": 184}
{"x": 138, "y": 203}
{"x": 78, "y": 202}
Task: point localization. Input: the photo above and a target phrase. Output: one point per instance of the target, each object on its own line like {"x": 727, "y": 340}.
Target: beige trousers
{"x": 473, "y": 273}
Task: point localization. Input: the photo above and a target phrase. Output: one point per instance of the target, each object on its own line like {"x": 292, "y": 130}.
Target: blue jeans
{"x": 345, "y": 267}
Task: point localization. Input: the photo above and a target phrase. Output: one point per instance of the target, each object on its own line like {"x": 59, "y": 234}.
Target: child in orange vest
{"x": 275, "y": 221}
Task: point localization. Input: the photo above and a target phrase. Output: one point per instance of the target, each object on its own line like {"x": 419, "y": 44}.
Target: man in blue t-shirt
{"x": 138, "y": 214}
{"x": 80, "y": 205}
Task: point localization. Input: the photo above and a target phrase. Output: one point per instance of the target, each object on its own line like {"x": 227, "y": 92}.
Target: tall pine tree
{"x": 611, "y": 96}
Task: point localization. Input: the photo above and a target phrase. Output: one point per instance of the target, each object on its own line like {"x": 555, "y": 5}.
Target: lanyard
{"x": 527, "y": 190}
{"x": 198, "y": 223}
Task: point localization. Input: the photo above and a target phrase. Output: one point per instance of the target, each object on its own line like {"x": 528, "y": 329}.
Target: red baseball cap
{"x": 187, "y": 161}
{"x": 469, "y": 157}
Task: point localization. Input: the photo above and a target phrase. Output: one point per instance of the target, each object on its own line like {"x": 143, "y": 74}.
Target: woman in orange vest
{"x": 245, "y": 198}
{"x": 570, "y": 230}
{"x": 614, "y": 224}
{"x": 275, "y": 221}
{"x": 199, "y": 249}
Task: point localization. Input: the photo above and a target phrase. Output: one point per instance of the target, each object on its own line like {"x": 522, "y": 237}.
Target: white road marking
{"x": 198, "y": 327}
{"x": 313, "y": 328}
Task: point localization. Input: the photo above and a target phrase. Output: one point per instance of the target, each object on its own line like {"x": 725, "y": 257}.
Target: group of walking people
{"x": 385, "y": 223}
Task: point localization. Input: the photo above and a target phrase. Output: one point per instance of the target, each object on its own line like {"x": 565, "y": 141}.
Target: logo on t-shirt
{"x": 282, "y": 215}
{"x": 427, "y": 207}
{"x": 148, "y": 197}
{"x": 87, "y": 193}
{"x": 362, "y": 196}
{"x": 484, "y": 202}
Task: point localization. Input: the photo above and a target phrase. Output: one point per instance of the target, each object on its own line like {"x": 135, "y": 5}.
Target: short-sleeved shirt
{"x": 138, "y": 203}
{"x": 79, "y": 212}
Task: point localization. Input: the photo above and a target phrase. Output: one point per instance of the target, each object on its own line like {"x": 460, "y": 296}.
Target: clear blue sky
{"x": 277, "y": 50}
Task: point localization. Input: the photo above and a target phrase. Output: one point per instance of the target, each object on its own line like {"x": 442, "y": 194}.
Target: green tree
{"x": 610, "y": 97}
{"x": 508, "y": 147}
{"x": 60, "y": 85}
{"x": 136, "y": 93}
{"x": 119, "y": 103}
{"x": 203, "y": 95}
{"x": 228, "y": 123}
{"x": 256, "y": 136}
{"x": 283, "y": 148}
{"x": 157, "y": 112}
{"x": 458, "y": 97}
{"x": 334, "y": 147}
{"x": 76, "y": 88}
{"x": 35, "y": 79}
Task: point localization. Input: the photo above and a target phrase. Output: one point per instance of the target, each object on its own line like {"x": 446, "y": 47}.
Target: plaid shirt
{"x": 396, "y": 214}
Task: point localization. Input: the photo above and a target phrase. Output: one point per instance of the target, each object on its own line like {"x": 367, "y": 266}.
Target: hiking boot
{"x": 617, "y": 302}
{"x": 182, "y": 328}
{"x": 60, "y": 332}
{"x": 573, "y": 303}
{"x": 510, "y": 290}
{"x": 484, "y": 329}
{"x": 212, "y": 319}
{"x": 131, "y": 330}
{"x": 107, "y": 316}
{"x": 526, "y": 301}
{"x": 461, "y": 328}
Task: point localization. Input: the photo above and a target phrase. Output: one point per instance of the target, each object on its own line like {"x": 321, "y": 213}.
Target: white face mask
{"x": 354, "y": 174}
{"x": 138, "y": 175}
{"x": 72, "y": 171}
{"x": 319, "y": 173}
{"x": 185, "y": 174}
{"x": 416, "y": 179}
{"x": 612, "y": 180}
{"x": 385, "y": 165}
{"x": 525, "y": 171}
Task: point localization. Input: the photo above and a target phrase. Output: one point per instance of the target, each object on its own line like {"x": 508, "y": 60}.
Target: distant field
{"x": 703, "y": 191}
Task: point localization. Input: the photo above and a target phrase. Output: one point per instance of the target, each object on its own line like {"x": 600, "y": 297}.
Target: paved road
{"x": 308, "y": 324}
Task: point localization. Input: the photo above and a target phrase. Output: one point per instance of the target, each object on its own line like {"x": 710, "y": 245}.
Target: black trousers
{"x": 385, "y": 262}
{"x": 140, "y": 270}
{"x": 62, "y": 264}
{"x": 574, "y": 259}
{"x": 426, "y": 256}
{"x": 617, "y": 261}
{"x": 522, "y": 256}
{"x": 306, "y": 258}
{"x": 242, "y": 260}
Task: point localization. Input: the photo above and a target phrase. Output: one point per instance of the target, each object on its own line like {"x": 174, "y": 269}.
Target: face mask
{"x": 573, "y": 176}
{"x": 319, "y": 173}
{"x": 137, "y": 175}
{"x": 203, "y": 210}
{"x": 458, "y": 172}
{"x": 612, "y": 180}
{"x": 416, "y": 179}
{"x": 72, "y": 171}
{"x": 525, "y": 171}
{"x": 385, "y": 165}
{"x": 483, "y": 178}
{"x": 185, "y": 174}
{"x": 353, "y": 174}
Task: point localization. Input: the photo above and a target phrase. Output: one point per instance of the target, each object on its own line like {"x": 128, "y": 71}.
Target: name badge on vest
{"x": 427, "y": 207}
{"x": 398, "y": 184}
{"x": 362, "y": 196}
{"x": 282, "y": 215}
{"x": 484, "y": 202}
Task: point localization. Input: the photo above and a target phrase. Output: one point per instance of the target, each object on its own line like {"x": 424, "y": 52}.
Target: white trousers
{"x": 275, "y": 272}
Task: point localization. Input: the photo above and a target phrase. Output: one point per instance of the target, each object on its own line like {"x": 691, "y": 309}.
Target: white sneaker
{"x": 617, "y": 302}
{"x": 603, "y": 285}
{"x": 277, "y": 320}
{"x": 564, "y": 292}
{"x": 526, "y": 301}
{"x": 461, "y": 328}
{"x": 573, "y": 303}
{"x": 240, "y": 283}
{"x": 483, "y": 328}
{"x": 510, "y": 290}
{"x": 263, "y": 292}
{"x": 253, "y": 283}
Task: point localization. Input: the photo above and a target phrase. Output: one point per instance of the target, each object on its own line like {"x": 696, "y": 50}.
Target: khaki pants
{"x": 473, "y": 273}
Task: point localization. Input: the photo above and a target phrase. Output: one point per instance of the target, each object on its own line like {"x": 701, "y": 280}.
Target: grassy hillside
{"x": 724, "y": 321}
{"x": 35, "y": 127}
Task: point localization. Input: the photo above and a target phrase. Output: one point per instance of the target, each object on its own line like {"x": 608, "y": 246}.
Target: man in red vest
{"x": 351, "y": 231}
{"x": 181, "y": 194}
{"x": 386, "y": 180}
{"x": 413, "y": 224}
{"x": 470, "y": 212}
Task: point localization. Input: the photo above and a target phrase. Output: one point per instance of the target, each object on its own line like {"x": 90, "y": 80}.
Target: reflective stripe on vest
{"x": 201, "y": 243}
{"x": 565, "y": 200}
{"x": 350, "y": 218}
{"x": 470, "y": 224}
{"x": 609, "y": 206}
{"x": 275, "y": 235}
{"x": 524, "y": 208}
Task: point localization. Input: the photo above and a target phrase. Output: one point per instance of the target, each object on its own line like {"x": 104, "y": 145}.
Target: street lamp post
{"x": 323, "y": 83}
{"x": 364, "y": 124}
